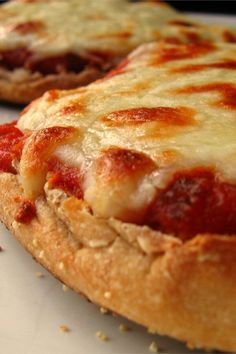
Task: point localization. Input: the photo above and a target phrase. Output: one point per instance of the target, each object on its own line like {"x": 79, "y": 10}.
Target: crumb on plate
{"x": 65, "y": 288}
{"x": 153, "y": 347}
{"x": 124, "y": 328}
{"x": 103, "y": 310}
{"x": 151, "y": 330}
{"x": 107, "y": 294}
{"x": 64, "y": 328}
{"x": 41, "y": 254}
{"x": 102, "y": 336}
{"x": 39, "y": 274}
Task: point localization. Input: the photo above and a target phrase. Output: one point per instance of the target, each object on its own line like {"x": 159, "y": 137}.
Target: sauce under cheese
{"x": 51, "y": 28}
{"x": 144, "y": 125}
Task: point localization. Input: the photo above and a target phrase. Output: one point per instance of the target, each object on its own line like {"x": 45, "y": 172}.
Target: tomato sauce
{"x": 11, "y": 145}
{"x": 69, "y": 62}
{"x": 194, "y": 201}
{"x": 67, "y": 178}
{"x": 25, "y": 212}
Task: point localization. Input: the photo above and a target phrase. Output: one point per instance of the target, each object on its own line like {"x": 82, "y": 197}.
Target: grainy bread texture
{"x": 185, "y": 290}
{"x": 21, "y": 86}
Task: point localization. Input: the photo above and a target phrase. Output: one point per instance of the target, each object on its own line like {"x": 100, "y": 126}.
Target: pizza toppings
{"x": 11, "y": 145}
{"x": 14, "y": 58}
{"x": 26, "y": 211}
{"x": 145, "y": 149}
{"x": 37, "y": 153}
{"x": 67, "y": 178}
{"x": 112, "y": 184}
{"x": 69, "y": 62}
{"x": 194, "y": 201}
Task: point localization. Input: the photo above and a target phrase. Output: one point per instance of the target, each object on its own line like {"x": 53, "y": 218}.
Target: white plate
{"x": 32, "y": 309}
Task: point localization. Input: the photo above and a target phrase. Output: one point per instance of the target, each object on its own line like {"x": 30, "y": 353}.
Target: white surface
{"x": 32, "y": 309}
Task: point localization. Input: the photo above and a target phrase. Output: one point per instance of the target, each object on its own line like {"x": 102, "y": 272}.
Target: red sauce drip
{"x": 65, "y": 177}
{"x": 117, "y": 163}
{"x": 227, "y": 91}
{"x": 194, "y": 202}
{"x": 11, "y": 145}
{"x": 26, "y": 212}
{"x": 229, "y": 65}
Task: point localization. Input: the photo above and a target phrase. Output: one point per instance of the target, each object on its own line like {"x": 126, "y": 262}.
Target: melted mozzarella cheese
{"x": 117, "y": 26}
{"x": 159, "y": 109}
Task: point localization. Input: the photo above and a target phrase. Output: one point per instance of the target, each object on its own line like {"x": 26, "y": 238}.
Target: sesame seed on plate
{"x": 64, "y": 328}
{"x": 102, "y": 336}
{"x": 153, "y": 347}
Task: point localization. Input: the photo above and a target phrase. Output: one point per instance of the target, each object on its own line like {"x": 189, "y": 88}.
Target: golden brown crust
{"x": 185, "y": 290}
{"x": 21, "y": 86}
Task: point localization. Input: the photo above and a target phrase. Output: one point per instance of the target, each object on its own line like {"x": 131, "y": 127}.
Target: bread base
{"x": 187, "y": 291}
{"x": 21, "y": 86}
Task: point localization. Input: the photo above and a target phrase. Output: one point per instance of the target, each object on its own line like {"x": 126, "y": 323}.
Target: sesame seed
{"x": 64, "y": 328}
{"x": 35, "y": 242}
{"x": 61, "y": 266}
{"x": 151, "y": 330}
{"x": 153, "y": 347}
{"x": 39, "y": 274}
{"x": 65, "y": 288}
{"x": 41, "y": 254}
{"x": 107, "y": 294}
{"x": 103, "y": 310}
{"x": 124, "y": 328}
{"x": 102, "y": 336}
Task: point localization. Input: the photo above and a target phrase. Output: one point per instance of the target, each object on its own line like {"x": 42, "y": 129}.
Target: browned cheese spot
{"x": 229, "y": 37}
{"x": 183, "y": 23}
{"x": 51, "y": 95}
{"x": 226, "y": 90}
{"x": 172, "y": 40}
{"x": 118, "y": 35}
{"x": 27, "y": 27}
{"x": 227, "y": 64}
{"x": 43, "y": 143}
{"x": 177, "y": 116}
{"x": 184, "y": 51}
{"x": 29, "y": 106}
{"x": 117, "y": 163}
{"x": 120, "y": 69}
{"x": 73, "y": 108}
{"x": 192, "y": 36}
